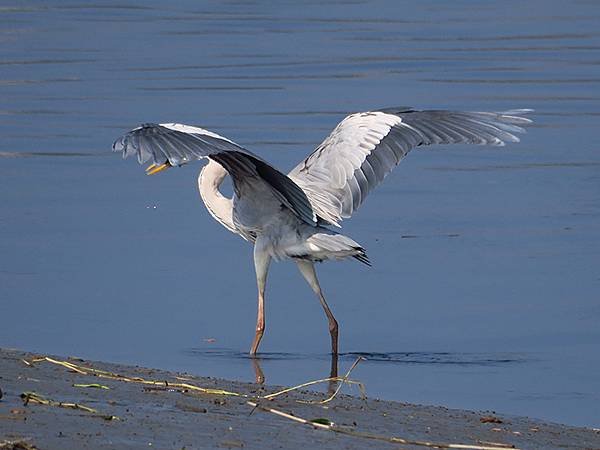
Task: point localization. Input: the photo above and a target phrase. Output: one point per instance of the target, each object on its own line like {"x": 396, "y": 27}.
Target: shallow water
{"x": 485, "y": 286}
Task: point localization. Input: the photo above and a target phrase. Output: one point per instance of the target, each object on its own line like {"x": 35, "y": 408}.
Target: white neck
{"x": 220, "y": 207}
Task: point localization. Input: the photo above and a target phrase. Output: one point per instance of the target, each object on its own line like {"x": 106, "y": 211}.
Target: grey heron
{"x": 293, "y": 216}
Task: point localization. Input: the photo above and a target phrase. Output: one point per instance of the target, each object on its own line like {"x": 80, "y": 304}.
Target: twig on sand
{"x": 68, "y": 365}
{"x": 32, "y": 397}
{"x": 397, "y": 440}
{"x": 91, "y": 385}
{"x": 343, "y": 380}
{"x": 82, "y": 370}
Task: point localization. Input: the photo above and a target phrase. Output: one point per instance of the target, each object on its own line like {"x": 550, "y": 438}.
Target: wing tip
{"x": 515, "y": 116}
{"x": 518, "y": 111}
{"x": 396, "y": 109}
{"x": 362, "y": 257}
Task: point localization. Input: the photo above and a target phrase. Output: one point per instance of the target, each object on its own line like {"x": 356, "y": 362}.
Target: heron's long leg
{"x": 333, "y": 373}
{"x": 307, "y": 268}
{"x": 261, "y": 265}
{"x": 334, "y": 366}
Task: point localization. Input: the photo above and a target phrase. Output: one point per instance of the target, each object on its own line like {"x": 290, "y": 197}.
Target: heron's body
{"x": 291, "y": 216}
{"x": 259, "y": 217}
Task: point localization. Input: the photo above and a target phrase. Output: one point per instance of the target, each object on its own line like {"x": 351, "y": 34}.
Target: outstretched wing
{"x": 365, "y": 147}
{"x": 176, "y": 144}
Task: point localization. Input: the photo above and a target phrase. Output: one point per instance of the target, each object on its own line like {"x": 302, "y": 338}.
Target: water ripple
{"x": 427, "y": 358}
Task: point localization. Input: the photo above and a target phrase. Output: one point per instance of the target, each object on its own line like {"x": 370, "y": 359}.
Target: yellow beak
{"x": 154, "y": 169}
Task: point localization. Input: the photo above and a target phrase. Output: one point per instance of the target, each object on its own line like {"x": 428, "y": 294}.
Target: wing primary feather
{"x": 369, "y": 172}
{"x": 179, "y": 144}
{"x": 461, "y": 135}
{"x": 355, "y": 189}
{"x": 378, "y": 166}
{"x": 364, "y": 147}
{"x": 363, "y": 183}
{"x": 181, "y": 139}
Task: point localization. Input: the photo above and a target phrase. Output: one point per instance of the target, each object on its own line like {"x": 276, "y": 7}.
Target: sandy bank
{"x": 100, "y": 410}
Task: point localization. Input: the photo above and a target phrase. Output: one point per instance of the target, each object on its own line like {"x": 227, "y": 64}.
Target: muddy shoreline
{"x": 58, "y": 403}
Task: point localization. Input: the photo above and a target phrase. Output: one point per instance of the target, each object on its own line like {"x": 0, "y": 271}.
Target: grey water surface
{"x": 485, "y": 286}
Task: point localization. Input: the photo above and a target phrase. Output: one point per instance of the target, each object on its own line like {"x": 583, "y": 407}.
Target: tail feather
{"x": 327, "y": 244}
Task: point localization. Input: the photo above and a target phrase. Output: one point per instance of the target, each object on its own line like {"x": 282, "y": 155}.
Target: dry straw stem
{"x": 92, "y": 385}
{"x": 311, "y": 383}
{"x": 82, "y": 370}
{"x": 343, "y": 380}
{"x": 32, "y": 397}
{"x": 393, "y": 439}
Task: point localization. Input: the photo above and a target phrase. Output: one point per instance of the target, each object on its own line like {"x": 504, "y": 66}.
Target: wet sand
{"x": 135, "y": 414}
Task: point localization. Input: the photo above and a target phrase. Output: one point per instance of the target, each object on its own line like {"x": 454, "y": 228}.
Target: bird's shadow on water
{"x": 466, "y": 359}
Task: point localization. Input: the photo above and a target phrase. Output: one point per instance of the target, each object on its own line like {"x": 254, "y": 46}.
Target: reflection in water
{"x": 259, "y": 375}
{"x": 450, "y": 358}
{"x": 409, "y": 358}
